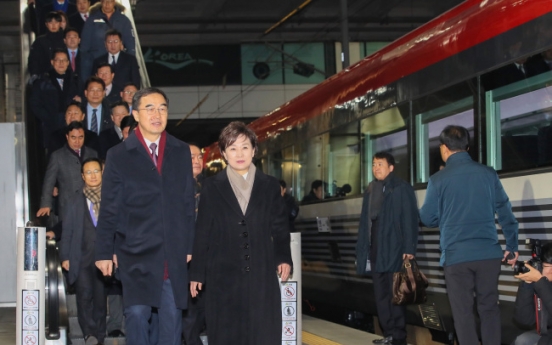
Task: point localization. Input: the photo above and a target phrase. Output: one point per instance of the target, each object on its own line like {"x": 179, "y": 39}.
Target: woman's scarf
{"x": 94, "y": 195}
{"x": 242, "y": 187}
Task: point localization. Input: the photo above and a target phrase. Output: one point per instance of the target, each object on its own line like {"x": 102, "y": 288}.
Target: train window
{"x": 344, "y": 161}
{"x": 519, "y": 127}
{"x": 285, "y": 165}
{"x": 385, "y": 131}
{"x": 311, "y": 167}
{"x": 428, "y": 127}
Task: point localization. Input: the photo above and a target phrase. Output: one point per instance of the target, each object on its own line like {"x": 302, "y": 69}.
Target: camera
{"x": 536, "y": 261}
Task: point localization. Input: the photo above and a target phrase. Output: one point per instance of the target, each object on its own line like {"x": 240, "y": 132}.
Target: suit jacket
{"x": 147, "y": 218}
{"x": 76, "y": 71}
{"x": 234, "y": 253}
{"x": 76, "y": 21}
{"x": 70, "y": 246}
{"x": 59, "y": 139}
{"x": 114, "y": 96}
{"x": 126, "y": 69}
{"x": 108, "y": 139}
{"x": 105, "y": 120}
{"x": 64, "y": 168}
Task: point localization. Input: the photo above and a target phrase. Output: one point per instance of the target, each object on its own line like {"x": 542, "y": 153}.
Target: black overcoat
{"x": 152, "y": 217}
{"x": 236, "y": 257}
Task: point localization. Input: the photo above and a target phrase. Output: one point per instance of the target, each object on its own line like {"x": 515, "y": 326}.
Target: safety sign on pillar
{"x": 289, "y": 313}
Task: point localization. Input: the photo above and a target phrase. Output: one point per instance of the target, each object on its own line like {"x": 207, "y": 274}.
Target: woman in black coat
{"x": 242, "y": 242}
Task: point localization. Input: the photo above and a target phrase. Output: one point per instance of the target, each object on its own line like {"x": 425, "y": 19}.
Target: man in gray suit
{"x": 64, "y": 169}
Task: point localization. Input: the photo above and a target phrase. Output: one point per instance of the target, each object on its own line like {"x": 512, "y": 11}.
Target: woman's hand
{"x": 195, "y": 287}
{"x": 283, "y": 271}
{"x": 530, "y": 277}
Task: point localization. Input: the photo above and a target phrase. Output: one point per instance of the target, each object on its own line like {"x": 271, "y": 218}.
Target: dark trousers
{"x": 462, "y": 281}
{"x": 91, "y": 301}
{"x": 138, "y": 320}
{"x": 193, "y": 319}
{"x": 392, "y": 317}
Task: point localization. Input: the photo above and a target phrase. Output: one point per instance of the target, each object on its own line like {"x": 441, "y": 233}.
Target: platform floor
{"x": 315, "y": 331}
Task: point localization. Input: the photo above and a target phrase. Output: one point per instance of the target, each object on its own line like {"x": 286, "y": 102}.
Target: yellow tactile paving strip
{"x": 311, "y": 339}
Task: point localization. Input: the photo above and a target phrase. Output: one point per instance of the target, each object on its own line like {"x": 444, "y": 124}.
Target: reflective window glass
{"x": 343, "y": 172}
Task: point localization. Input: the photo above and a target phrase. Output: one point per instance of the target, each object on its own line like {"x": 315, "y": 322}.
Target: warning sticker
{"x": 30, "y": 299}
{"x": 29, "y": 338}
{"x": 30, "y": 320}
{"x": 289, "y": 342}
{"x": 289, "y": 311}
{"x": 289, "y": 291}
{"x": 289, "y": 330}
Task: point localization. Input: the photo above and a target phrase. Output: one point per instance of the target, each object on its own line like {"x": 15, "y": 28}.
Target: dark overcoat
{"x": 397, "y": 227}
{"x": 152, "y": 217}
{"x": 236, "y": 257}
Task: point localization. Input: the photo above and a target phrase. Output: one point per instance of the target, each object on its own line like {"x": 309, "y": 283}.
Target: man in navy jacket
{"x": 462, "y": 200}
{"x": 148, "y": 221}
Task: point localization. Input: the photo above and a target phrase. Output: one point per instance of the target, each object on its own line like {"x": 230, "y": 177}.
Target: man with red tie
{"x": 147, "y": 221}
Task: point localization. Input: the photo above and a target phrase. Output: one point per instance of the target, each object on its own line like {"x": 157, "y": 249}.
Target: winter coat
{"x": 236, "y": 256}
{"x": 397, "y": 227}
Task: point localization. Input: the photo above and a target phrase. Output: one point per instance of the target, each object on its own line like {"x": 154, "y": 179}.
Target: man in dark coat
{"x": 72, "y": 41}
{"x": 73, "y": 113}
{"x": 147, "y": 220}
{"x": 387, "y": 234}
{"x": 114, "y": 135}
{"x": 77, "y": 20}
{"x": 42, "y": 49}
{"x": 95, "y": 108}
{"x": 77, "y": 253}
{"x": 51, "y": 94}
{"x": 291, "y": 204}
{"x": 124, "y": 66}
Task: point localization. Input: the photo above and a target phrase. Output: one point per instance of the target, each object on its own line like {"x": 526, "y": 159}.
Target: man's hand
{"x": 283, "y": 271}
{"x": 188, "y": 258}
{"x": 511, "y": 262}
{"x": 45, "y": 211}
{"x": 106, "y": 266}
{"x": 409, "y": 256}
{"x": 50, "y": 235}
{"x": 195, "y": 287}
{"x": 65, "y": 265}
{"x": 55, "y": 192}
{"x": 115, "y": 262}
{"x": 530, "y": 277}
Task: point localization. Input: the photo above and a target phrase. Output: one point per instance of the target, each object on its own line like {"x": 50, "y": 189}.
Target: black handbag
{"x": 409, "y": 285}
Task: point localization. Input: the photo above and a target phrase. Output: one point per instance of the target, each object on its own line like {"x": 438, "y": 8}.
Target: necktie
{"x": 73, "y": 67}
{"x": 60, "y": 81}
{"x": 113, "y": 61}
{"x": 153, "y": 147}
{"x": 92, "y": 214}
{"x": 77, "y": 152}
{"x": 94, "y": 122}
{"x": 85, "y": 17}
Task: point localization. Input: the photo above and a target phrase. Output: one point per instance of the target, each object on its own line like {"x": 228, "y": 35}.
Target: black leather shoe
{"x": 116, "y": 333}
{"x": 386, "y": 340}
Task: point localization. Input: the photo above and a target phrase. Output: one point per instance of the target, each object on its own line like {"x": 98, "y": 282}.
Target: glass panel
{"x": 385, "y": 131}
{"x": 312, "y": 158}
{"x": 301, "y": 72}
{"x": 344, "y": 161}
{"x": 285, "y": 166}
{"x": 261, "y": 65}
{"x": 428, "y": 127}
{"x": 518, "y": 121}
{"x": 370, "y": 48}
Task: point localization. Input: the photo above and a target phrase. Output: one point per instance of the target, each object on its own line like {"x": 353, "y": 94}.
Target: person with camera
{"x": 534, "y": 293}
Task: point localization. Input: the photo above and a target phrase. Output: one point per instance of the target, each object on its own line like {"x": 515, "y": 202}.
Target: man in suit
{"x": 124, "y": 65}
{"x": 73, "y": 113}
{"x": 114, "y": 135}
{"x": 72, "y": 41}
{"x": 127, "y": 94}
{"x": 77, "y": 20}
{"x": 147, "y": 220}
{"x": 104, "y": 71}
{"x": 95, "y": 107}
{"x": 42, "y": 49}
{"x": 64, "y": 168}
{"x": 77, "y": 253}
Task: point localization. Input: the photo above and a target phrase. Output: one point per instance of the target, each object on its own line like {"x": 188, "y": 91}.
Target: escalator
{"x": 56, "y": 321}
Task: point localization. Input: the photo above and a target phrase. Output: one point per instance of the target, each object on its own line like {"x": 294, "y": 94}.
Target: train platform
{"x": 315, "y": 331}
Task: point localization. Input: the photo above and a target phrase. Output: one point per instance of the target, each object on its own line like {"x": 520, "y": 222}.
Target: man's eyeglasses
{"x": 152, "y": 110}
{"x": 89, "y": 172}
{"x": 129, "y": 92}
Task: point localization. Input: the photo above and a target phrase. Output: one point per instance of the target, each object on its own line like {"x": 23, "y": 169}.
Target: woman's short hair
{"x": 230, "y": 134}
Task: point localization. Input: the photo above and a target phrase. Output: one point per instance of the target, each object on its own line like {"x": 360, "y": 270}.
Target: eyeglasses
{"x": 89, "y": 172}
{"x": 129, "y": 92}
{"x": 113, "y": 41}
{"x": 160, "y": 110}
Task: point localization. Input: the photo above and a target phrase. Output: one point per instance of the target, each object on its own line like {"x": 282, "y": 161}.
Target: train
{"x": 461, "y": 68}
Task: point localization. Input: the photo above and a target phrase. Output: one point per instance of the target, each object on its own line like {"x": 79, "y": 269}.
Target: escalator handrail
{"x": 55, "y": 317}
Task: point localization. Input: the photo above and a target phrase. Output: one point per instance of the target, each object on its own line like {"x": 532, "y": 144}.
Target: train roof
{"x": 456, "y": 30}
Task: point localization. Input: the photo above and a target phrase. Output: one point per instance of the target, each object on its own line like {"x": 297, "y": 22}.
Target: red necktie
{"x": 73, "y": 61}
